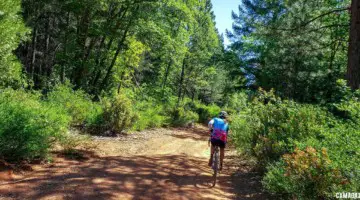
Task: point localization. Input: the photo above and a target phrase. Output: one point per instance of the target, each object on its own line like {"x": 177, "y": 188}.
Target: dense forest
{"x": 302, "y": 125}
{"x": 99, "y": 46}
{"x": 288, "y": 79}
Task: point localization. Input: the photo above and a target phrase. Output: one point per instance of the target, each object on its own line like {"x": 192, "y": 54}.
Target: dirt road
{"x": 157, "y": 164}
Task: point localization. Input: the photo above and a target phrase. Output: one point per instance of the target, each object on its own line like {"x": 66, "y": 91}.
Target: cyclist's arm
{"x": 211, "y": 124}
{"x": 227, "y": 130}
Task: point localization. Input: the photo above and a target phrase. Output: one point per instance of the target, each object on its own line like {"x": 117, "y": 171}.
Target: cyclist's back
{"x": 219, "y": 129}
{"x": 219, "y": 133}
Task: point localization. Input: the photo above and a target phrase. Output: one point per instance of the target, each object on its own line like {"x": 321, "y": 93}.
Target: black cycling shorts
{"x": 219, "y": 143}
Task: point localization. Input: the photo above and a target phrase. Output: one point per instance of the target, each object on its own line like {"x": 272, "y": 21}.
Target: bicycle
{"x": 215, "y": 164}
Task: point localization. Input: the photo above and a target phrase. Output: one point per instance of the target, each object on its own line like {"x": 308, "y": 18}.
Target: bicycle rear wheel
{"x": 216, "y": 165}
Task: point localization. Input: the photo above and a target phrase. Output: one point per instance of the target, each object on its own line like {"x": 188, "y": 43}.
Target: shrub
{"x": 273, "y": 129}
{"x": 341, "y": 92}
{"x": 71, "y": 142}
{"x": 304, "y": 174}
{"x": 76, "y": 103}
{"x": 236, "y": 103}
{"x": 148, "y": 115}
{"x": 241, "y": 133}
{"x": 205, "y": 112}
{"x": 347, "y": 110}
{"x": 345, "y": 103}
{"x": 344, "y": 151}
{"x": 183, "y": 117}
{"x": 308, "y": 152}
{"x": 118, "y": 114}
{"x": 329, "y": 169}
{"x": 28, "y": 128}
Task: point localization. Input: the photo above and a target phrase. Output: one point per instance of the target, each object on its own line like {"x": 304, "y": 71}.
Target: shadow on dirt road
{"x": 135, "y": 177}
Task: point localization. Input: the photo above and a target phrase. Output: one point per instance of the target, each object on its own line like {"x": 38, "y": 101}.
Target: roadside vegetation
{"x": 304, "y": 150}
{"x": 302, "y": 122}
{"x": 105, "y": 68}
{"x": 112, "y": 67}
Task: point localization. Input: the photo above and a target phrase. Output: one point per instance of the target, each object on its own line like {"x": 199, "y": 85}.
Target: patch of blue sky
{"x": 223, "y": 10}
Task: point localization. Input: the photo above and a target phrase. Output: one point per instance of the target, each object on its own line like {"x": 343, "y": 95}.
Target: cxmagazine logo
{"x": 347, "y": 195}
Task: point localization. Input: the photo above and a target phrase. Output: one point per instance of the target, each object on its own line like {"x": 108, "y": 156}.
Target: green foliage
{"x": 72, "y": 142}
{"x": 149, "y": 115}
{"x": 183, "y": 117}
{"x": 341, "y": 141}
{"x": 205, "y": 112}
{"x": 28, "y": 128}
{"x": 118, "y": 113}
{"x": 305, "y": 148}
{"x": 126, "y": 44}
{"x": 159, "y": 54}
{"x": 295, "y": 47}
{"x": 306, "y": 174}
{"x": 341, "y": 92}
{"x": 77, "y": 104}
{"x": 241, "y": 132}
{"x": 345, "y": 103}
{"x": 12, "y": 30}
{"x": 277, "y": 126}
{"x": 348, "y": 110}
{"x": 236, "y": 103}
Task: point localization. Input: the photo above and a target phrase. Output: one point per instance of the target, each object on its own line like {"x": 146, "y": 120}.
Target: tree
{"x": 12, "y": 31}
{"x": 296, "y": 47}
{"x": 353, "y": 71}
{"x": 166, "y": 48}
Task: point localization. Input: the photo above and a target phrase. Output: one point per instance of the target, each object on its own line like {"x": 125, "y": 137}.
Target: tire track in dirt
{"x": 156, "y": 164}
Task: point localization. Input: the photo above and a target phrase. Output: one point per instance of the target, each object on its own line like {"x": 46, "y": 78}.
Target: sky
{"x": 222, "y": 10}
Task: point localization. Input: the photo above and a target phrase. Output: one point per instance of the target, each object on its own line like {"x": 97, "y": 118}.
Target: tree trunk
{"x": 98, "y": 52}
{"x": 120, "y": 83}
{"x": 101, "y": 58}
{"x": 353, "y": 71}
{"x": 83, "y": 70}
{"x": 33, "y": 54}
{"x": 108, "y": 73}
{"x": 83, "y": 32}
{"x": 99, "y": 65}
{"x": 47, "y": 46}
{"x": 181, "y": 81}
{"x": 119, "y": 47}
{"x": 62, "y": 73}
{"x": 167, "y": 71}
{"x": 27, "y": 55}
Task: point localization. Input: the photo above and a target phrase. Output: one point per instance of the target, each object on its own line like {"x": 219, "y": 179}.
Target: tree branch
{"x": 323, "y": 15}
{"x": 312, "y": 20}
{"x": 329, "y": 26}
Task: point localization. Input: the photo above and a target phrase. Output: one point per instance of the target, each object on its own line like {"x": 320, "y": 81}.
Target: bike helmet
{"x": 223, "y": 114}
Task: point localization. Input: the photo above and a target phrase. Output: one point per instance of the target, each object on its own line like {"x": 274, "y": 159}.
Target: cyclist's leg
{"x": 222, "y": 154}
{"x": 211, "y": 154}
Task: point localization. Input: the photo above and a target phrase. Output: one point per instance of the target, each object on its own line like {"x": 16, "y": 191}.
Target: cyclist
{"x": 219, "y": 131}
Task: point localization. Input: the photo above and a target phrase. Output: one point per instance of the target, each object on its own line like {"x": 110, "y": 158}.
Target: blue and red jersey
{"x": 220, "y": 129}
